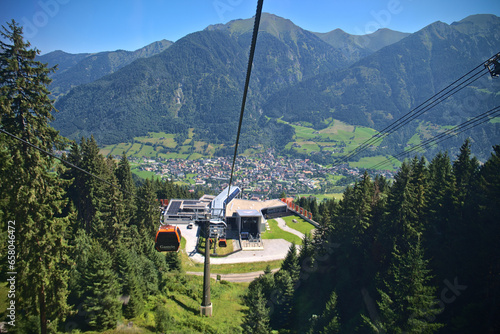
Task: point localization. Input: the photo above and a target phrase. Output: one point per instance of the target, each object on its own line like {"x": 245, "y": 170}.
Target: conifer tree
{"x": 126, "y": 183}
{"x": 282, "y": 299}
{"x": 148, "y": 213}
{"x": 328, "y": 322}
{"x": 163, "y": 319}
{"x": 36, "y": 198}
{"x": 465, "y": 170}
{"x": 291, "y": 263}
{"x": 330, "y": 315}
{"x": 89, "y": 192}
{"x": 407, "y": 304}
{"x": 128, "y": 269}
{"x": 101, "y": 304}
{"x": 256, "y": 321}
{"x": 173, "y": 261}
{"x": 402, "y": 225}
{"x": 306, "y": 255}
{"x": 486, "y": 243}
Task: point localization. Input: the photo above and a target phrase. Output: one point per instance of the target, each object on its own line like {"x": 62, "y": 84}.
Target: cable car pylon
{"x": 206, "y": 304}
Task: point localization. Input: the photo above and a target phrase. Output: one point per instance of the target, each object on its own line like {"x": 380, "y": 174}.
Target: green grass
{"x": 337, "y": 137}
{"x": 278, "y": 233}
{"x": 369, "y": 162}
{"x": 495, "y": 120}
{"x": 144, "y": 173}
{"x": 302, "y": 226}
{"x": 4, "y": 301}
{"x": 233, "y": 268}
{"x": 221, "y": 251}
{"x": 321, "y": 197}
{"x": 183, "y": 299}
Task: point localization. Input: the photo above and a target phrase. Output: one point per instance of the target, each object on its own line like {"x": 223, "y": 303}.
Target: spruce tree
{"x": 408, "y": 304}
{"x": 148, "y": 213}
{"x": 163, "y": 319}
{"x": 486, "y": 244}
{"x": 256, "y": 321}
{"x": 282, "y": 299}
{"x": 126, "y": 183}
{"x": 291, "y": 263}
{"x": 100, "y": 304}
{"x": 34, "y": 198}
{"x": 328, "y": 322}
{"x": 173, "y": 261}
{"x": 402, "y": 224}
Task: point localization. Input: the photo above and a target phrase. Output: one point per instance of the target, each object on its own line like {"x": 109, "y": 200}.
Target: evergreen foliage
{"x": 36, "y": 198}
{"x": 408, "y": 257}
{"x": 101, "y": 305}
{"x": 257, "y": 319}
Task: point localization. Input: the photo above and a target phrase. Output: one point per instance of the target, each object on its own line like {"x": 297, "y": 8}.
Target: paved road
{"x": 236, "y": 278}
{"x": 284, "y": 227}
{"x": 274, "y": 249}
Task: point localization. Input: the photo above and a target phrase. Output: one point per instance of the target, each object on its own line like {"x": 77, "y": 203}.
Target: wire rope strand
{"x": 71, "y": 165}
{"x": 408, "y": 116}
{"x": 467, "y": 125}
{"x": 247, "y": 83}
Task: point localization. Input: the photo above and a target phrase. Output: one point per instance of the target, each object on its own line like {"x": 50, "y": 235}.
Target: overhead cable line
{"x": 430, "y": 103}
{"x": 470, "y": 124}
{"x": 414, "y": 113}
{"x": 247, "y": 83}
{"x": 69, "y": 164}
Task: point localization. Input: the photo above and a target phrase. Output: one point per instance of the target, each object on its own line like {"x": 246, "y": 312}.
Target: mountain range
{"x": 299, "y": 77}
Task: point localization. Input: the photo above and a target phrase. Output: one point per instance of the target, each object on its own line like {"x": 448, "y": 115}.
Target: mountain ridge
{"x": 88, "y": 67}
{"x": 196, "y": 83}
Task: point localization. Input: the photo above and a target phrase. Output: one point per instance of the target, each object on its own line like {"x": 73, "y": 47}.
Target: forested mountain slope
{"x": 197, "y": 83}
{"x": 387, "y": 84}
{"x": 78, "y": 69}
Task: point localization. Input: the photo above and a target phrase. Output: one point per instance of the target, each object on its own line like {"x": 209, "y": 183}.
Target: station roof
{"x": 248, "y": 213}
{"x": 245, "y": 204}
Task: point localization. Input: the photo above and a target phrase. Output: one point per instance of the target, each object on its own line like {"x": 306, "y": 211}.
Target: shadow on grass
{"x": 184, "y": 306}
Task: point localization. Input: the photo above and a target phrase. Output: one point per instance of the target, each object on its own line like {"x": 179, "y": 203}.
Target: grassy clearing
{"x": 321, "y": 197}
{"x": 182, "y": 298}
{"x": 234, "y": 268}
{"x": 369, "y": 162}
{"x": 338, "y": 137}
{"x": 278, "y": 233}
{"x": 221, "y": 251}
{"x": 301, "y": 225}
{"x": 144, "y": 173}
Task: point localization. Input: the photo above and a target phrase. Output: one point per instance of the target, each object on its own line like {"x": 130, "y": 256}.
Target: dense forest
{"x": 77, "y": 241}
{"x": 418, "y": 255}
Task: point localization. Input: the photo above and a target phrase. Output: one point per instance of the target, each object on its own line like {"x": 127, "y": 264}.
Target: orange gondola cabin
{"x": 168, "y": 238}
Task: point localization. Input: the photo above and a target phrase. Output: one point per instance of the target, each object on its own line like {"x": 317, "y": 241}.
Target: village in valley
{"x": 264, "y": 176}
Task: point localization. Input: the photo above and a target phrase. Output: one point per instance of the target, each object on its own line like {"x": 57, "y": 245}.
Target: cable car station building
{"x": 242, "y": 218}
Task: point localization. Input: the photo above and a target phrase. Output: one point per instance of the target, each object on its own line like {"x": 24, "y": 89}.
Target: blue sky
{"x": 105, "y": 25}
